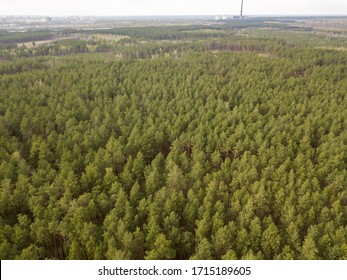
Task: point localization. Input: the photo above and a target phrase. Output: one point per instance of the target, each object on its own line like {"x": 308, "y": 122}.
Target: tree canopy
{"x": 206, "y": 147}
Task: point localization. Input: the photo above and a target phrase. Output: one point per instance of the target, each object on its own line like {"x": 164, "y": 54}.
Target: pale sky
{"x": 171, "y": 7}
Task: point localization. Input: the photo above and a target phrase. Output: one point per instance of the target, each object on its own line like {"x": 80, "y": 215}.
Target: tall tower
{"x": 241, "y": 14}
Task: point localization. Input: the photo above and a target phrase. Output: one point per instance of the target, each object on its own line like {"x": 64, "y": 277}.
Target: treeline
{"x": 174, "y": 41}
{"x": 168, "y": 32}
{"x": 132, "y": 48}
{"x": 207, "y": 155}
{"x": 22, "y": 37}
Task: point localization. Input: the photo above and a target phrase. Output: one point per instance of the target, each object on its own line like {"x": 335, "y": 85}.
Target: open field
{"x": 328, "y": 24}
{"x": 46, "y": 42}
{"x": 76, "y": 37}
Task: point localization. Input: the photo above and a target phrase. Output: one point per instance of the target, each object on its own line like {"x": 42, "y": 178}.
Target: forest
{"x": 174, "y": 142}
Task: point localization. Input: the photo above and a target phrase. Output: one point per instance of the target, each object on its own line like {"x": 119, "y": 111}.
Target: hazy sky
{"x": 172, "y": 7}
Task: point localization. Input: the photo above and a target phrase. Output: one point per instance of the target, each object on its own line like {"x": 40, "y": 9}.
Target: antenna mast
{"x": 241, "y": 14}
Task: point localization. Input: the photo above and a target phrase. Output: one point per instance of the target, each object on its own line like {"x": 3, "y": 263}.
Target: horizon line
{"x": 177, "y": 15}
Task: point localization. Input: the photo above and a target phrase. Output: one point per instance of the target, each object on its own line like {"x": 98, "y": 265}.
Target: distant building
{"x": 222, "y": 17}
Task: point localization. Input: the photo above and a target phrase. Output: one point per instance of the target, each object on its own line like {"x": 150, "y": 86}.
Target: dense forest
{"x": 190, "y": 142}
